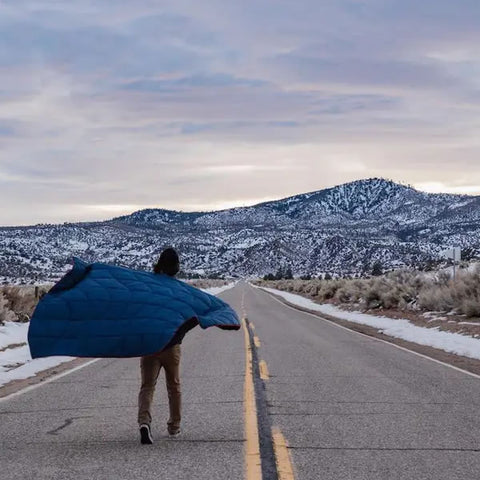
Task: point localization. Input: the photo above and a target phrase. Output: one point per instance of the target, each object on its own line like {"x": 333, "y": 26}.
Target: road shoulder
{"x": 17, "y": 385}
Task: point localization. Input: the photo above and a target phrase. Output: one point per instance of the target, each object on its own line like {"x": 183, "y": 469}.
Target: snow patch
{"x": 12, "y": 333}
{"x": 218, "y": 290}
{"x": 30, "y": 367}
{"x": 17, "y": 363}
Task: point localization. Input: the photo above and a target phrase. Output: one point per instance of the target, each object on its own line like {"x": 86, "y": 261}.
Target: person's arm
{"x": 181, "y": 332}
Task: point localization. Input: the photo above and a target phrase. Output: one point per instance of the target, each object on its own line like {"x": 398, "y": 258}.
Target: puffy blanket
{"x": 100, "y": 310}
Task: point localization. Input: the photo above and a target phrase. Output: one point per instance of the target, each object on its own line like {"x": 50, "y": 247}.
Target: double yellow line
{"x": 253, "y": 462}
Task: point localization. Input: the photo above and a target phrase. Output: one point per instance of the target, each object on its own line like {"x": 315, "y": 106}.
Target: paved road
{"x": 349, "y": 407}
{"x": 355, "y": 408}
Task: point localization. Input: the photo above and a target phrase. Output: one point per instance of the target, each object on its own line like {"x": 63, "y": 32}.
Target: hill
{"x": 345, "y": 230}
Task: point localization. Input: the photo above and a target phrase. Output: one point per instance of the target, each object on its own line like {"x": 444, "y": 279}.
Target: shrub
{"x": 208, "y": 283}
{"x": 391, "y": 298}
{"x": 438, "y": 299}
{"x": 22, "y": 300}
{"x": 311, "y": 289}
{"x": 350, "y": 292}
{"x": 6, "y": 315}
{"x": 329, "y": 288}
{"x": 402, "y": 289}
{"x": 470, "y": 307}
{"x": 372, "y": 298}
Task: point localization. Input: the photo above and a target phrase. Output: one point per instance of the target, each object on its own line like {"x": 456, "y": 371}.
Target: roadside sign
{"x": 454, "y": 253}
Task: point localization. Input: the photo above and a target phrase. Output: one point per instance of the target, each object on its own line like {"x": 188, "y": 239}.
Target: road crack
{"x": 68, "y": 422}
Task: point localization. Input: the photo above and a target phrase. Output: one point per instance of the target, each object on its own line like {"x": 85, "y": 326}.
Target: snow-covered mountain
{"x": 345, "y": 229}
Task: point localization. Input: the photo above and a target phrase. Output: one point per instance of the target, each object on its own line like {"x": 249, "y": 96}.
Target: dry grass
{"x": 18, "y": 302}
{"x": 402, "y": 290}
{"x": 6, "y": 315}
{"x": 207, "y": 282}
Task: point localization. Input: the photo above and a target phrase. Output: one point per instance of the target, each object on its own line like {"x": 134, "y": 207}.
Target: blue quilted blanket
{"x": 100, "y": 310}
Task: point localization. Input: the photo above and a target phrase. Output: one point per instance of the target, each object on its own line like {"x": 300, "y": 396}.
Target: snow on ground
{"x": 16, "y": 362}
{"x": 12, "y": 333}
{"x": 30, "y": 368}
{"x": 217, "y": 290}
{"x": 434, "y": 316}
{"x": 14, "y": 357}
{"x": 432, "y": 337}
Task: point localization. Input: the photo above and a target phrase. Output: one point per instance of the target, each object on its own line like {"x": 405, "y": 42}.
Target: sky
{"x": 108, "y": 107}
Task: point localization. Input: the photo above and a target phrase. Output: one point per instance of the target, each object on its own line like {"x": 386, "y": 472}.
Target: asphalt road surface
{"x": 349, "y": 407}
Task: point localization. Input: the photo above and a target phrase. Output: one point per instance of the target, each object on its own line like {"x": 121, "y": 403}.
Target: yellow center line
{"x": 253, "y": 463}
{"x": 253, "y": 467}
{"x": 282, "y": 457}
{"x": 264, "y": 375}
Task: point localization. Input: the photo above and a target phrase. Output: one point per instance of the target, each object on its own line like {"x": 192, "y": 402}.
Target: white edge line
{"x": 373, "y": 338}
{"x": 51, "y": 379}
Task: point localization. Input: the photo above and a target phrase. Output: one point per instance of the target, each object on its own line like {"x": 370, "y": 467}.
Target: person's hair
{"x": 168, "y": 263}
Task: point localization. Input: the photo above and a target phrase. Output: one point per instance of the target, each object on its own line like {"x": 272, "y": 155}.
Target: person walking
{"x": 169, "y": 359}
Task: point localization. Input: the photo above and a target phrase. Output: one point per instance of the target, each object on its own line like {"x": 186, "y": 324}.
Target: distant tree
{"x": 182, "y": 274}
{"x": 469, "y": 253}
{"x": 279, "y": 274}
{"x": 428, "y": 266}
{"x": 269, "y": 276}
{"x": 188, "y": 275}
{"x": 288, "y": 274}
{"x": 377, "y": 269}
{"x": 306, "y": 277}
{"x": 327, "y": 276}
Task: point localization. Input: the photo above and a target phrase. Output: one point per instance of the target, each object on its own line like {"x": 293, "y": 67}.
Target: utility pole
{"x": 454, "y": 253}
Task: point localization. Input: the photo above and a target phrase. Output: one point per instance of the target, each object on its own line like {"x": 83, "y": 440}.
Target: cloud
{"x": 214, "y": 81}
{"x": 177, "y": 104}
{"x": 363, "y": 72}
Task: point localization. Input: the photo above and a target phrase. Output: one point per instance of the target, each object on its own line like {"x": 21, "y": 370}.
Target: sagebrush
{"x": 18, "y": 302}
{"x": 401, "y": 289}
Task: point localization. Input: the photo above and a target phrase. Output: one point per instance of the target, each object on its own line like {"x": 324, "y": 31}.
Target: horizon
{"x": 109, "y": 108}
{"x": 130, "y": 212}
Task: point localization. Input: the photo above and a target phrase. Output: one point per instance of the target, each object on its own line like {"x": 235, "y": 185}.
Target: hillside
{"x": 344, "y": 229}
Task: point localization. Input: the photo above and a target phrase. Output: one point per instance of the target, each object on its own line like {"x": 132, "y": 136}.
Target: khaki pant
{"x": 150, "y": 366}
